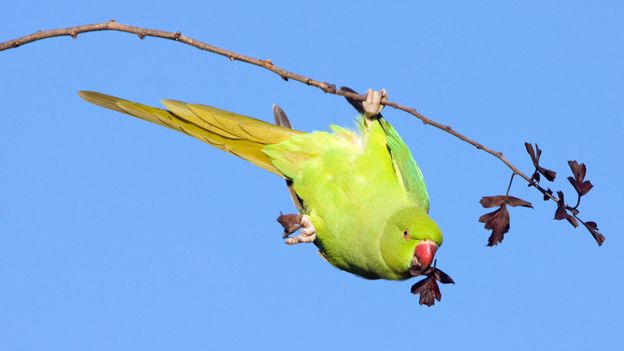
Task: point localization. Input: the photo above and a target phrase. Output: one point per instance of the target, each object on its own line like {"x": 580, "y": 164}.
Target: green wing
{"x": 405, "y": 166}
{"x": 236, "y": 134}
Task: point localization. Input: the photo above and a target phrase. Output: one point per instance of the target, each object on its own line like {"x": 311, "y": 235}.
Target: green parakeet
{"x": 363, "y": 198}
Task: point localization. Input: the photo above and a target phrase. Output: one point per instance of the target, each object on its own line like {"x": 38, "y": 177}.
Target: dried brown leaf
{"x": 593, "y": 229}
{"x": 498, "y": 222}
{"x": 548, "y": 173}
{"x": 290, "y": 223}
{"x": 442, "y": 277}
{"x": 579, "y": 170}
{"x": 492, "y": 201}
{"x": 514, "y": 202}
{"x": 428, "y": 290}
{"x": 535, "y": 158}
{"x": 579, "y": 183}
{"x": 562, "y": 213}
{"x": 497, "y": 200}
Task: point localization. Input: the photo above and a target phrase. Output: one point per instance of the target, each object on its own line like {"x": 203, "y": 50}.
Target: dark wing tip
{"x": 358, "y": 105}
{"x": 280, "y": 117}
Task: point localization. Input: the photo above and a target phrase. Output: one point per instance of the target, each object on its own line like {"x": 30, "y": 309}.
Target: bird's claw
{"x": 373, "y": 103}
{"x": 293, "y": 222}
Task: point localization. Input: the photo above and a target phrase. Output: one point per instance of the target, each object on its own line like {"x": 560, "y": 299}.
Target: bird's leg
{"x": 293, "y": 222}
{"x": 307, "y": 233}
{"x": 372, "y": 105}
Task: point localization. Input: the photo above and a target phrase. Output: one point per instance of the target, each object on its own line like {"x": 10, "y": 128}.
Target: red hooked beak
{"x": 423, "y": 256}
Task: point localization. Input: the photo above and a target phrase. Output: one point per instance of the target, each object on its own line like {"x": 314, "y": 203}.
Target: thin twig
{"x": 112, "y": 25}
{"x": 578, "y": 201}
{"x": 509, "y": 185}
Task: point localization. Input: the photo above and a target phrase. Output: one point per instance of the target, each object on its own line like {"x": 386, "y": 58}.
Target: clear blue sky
{"x": 116, "y": 234}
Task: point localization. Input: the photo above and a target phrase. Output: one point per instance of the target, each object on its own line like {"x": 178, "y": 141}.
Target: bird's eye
{"x": 405, "y": 234}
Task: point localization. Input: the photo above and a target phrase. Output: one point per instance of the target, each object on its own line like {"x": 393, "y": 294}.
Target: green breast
{"x": 349, "y": 187}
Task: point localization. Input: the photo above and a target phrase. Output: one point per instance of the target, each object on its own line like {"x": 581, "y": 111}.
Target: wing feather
{"x": 406, "y": 168}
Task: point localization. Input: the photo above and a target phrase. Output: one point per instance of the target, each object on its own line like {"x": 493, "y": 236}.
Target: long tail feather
{"x": 236, "y": 134}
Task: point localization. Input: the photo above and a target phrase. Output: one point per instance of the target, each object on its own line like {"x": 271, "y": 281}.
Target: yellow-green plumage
{"x": 239, "y": 135}
{"x": 362, "y": 190}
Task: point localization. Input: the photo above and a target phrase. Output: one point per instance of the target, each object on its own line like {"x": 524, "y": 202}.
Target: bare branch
{"x": 267, "y": 64}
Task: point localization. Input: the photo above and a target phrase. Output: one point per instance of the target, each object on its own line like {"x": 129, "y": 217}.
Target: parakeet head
{"x": 409, "y": 242}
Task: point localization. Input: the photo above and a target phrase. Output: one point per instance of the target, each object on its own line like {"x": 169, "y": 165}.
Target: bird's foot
{"x": 293, "y": 222}
{"x": 373, "y": 103}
